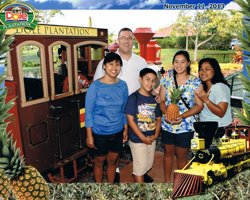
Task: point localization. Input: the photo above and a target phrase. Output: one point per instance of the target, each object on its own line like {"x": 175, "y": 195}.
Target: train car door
{"x": 29, "y": 70}
{"x": 64, "y": 112}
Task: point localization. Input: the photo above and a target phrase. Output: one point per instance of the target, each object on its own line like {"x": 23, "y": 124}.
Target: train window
{"x": 32, "y": 72}
{"x": 96, "y": 53}
{"x": 32, "y": 76}
{"x": 96, "y": 56}
{"x": 88, "y": 57}
{"x": 31, "y": 64}
{"x": 60, "y": 69}
{"x": 61, "y": 78}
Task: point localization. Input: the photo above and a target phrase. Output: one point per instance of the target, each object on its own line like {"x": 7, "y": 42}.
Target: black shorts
{"x": 106, "y": 143}
{"x": 180, "y": 140}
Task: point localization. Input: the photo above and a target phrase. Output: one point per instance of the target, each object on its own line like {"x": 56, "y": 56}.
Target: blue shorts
{"x": 106, "y": 143}
{"x": 180, "y": 140}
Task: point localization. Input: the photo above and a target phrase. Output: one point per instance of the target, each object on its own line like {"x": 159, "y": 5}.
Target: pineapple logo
{"x": 16, "y": 15}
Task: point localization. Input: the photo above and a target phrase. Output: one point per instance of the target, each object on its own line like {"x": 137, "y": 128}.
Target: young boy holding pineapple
{"x": 144, "y": 120}
{"x": 179, "y": 104}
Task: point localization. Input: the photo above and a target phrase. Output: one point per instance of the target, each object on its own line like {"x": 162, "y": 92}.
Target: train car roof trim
{"x": 55, "y": 30}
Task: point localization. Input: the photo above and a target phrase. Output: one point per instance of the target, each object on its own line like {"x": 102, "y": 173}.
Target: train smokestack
{"x": 206, "y": 130}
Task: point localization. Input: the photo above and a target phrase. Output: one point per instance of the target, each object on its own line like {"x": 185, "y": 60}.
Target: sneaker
{"x": 117, "y": 177}
{"x": 148, "y": 179}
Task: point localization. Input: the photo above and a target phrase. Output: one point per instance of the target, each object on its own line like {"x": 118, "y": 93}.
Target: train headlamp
{"x": 194, "y": 145}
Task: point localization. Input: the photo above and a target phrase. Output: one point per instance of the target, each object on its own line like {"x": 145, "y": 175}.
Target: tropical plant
{"x": 244, "y": 115}
{"x": 16, "y": 178}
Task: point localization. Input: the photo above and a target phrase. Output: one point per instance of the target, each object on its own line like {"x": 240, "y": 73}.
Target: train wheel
{"x": 225, "y": 175}
{"x": 209, "y": 180}
{"x": 238, "y": 168}
{"x": 247, "y": 164}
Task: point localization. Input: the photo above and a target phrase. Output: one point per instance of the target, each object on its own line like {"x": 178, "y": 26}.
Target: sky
{"x": 113, "y": 4}
{"x": 116, "y": 19}
{"x": 115, "y": 14}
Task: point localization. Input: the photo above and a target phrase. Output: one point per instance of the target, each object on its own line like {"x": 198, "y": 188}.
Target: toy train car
{"x": 49, "y": 70}
{"x": 212, "y": 163}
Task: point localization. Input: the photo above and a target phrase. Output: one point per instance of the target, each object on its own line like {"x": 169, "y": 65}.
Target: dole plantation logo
{"x": 17, "y": 15}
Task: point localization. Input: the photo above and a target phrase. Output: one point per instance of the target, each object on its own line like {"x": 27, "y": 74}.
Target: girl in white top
{"x": 216, "y": 95}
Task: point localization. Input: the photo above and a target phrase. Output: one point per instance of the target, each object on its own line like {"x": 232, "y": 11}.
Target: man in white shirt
{"x": 132, "y": 63}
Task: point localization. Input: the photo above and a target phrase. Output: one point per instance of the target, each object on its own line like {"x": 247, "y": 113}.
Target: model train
{"x": 48, "y": 72}
{"x": 213, "y": 160}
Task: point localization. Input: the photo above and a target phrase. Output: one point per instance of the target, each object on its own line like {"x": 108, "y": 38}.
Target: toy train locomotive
{"x": 213, "y": 160}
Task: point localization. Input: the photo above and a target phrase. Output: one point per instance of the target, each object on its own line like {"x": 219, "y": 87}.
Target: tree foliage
{"x": 46, "y": 15}
{"x": 206, "y": 25}
{"x": 6, "y": 1}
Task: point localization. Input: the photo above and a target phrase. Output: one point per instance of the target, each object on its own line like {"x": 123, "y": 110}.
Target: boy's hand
{"x": 153, "y": 137}
{"x": 147, "y": 140}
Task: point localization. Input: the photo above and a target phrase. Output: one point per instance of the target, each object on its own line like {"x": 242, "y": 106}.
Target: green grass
{"x": 167, "y": 56}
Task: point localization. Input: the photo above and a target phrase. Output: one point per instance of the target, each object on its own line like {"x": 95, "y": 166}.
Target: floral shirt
{"x": 188, "y": 95}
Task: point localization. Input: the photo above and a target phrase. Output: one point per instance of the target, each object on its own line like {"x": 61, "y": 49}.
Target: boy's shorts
{"x": 143, "y": 157}
{"x": 180, "y": 140}
{"x": 106, "y": 143}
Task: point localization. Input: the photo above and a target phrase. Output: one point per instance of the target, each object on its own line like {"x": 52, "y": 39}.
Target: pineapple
{"x": 25, "y": 182}
{"x": 173, "y": 109}
{"x": 4, "y": 185}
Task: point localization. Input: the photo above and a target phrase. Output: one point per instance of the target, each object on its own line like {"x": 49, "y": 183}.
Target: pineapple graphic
{"x": 23, "y": 182}
{"x": 173, "y": 109}
{"x": 4, "y": 185}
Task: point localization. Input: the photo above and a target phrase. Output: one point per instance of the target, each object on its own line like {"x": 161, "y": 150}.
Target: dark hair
{"x": 125, "y": 29}
{"x": 145, "y": 71}
{"x": 186, "y": 55}
{"x": 111, "y": 57}
{"x": 62, "y": 48}
{"x": 218, "y": 76}
{"x": 106, "y": 51}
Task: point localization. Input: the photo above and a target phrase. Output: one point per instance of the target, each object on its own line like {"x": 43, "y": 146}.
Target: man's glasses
{"x": 123, "y": 39}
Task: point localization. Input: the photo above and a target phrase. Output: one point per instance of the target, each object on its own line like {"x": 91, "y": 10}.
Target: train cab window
{"x": 32, "y": 72}
{"x": 96, "y": 56}
{"x": 60, "y": 69}
{"x": 61, "y": 73}
{"x": 88, "y": 57}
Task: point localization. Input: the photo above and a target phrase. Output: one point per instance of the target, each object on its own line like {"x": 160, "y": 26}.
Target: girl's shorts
{"x": 106, "y": 143}
{"x": 180, "y": 140}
